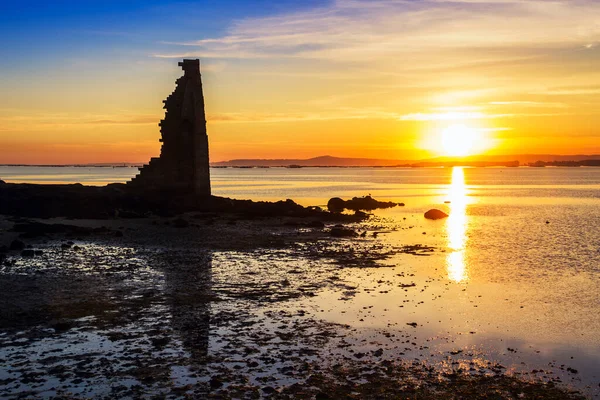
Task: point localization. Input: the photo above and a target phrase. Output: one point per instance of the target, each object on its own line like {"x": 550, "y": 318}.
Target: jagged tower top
{"x": 190, "y": 67}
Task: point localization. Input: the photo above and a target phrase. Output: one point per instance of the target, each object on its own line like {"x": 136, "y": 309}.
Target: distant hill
{"x": 329, "y": 161}
{"x": 322, "y": 161}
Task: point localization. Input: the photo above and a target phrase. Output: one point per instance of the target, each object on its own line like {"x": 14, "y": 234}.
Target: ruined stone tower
{"x": 183, "y": 163}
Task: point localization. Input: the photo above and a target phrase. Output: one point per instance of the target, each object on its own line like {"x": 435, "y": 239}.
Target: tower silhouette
{"x": 183, "y": 165}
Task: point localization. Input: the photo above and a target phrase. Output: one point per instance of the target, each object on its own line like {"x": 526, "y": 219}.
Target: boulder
{"x": 338, "y": 231}
{"x": 366, "y": 203}
{"x": 336, "y": 205}
{"x": 434, "y": 213}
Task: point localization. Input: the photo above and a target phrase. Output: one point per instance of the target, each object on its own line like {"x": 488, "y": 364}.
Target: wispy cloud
{"x": 463, "y": 116}
{"x": 468, "y": 53}
{"x": 350, "y": 30}
{"x": 524, "y": 103}
{"x": 337, "y": 114}
{"x": 26, "y": 122}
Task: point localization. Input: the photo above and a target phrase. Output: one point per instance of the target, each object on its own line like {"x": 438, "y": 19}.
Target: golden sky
{"x": 349, "y": 78}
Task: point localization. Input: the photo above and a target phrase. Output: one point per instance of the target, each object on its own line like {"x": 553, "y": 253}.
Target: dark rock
{"x": 378, "y": 352}
{"x": 118, "y": 234}
{"x": 28, "y": 253}
{"x": 3, "y": 249}
{"x": 366, "y": 203}
{"x": 215, "y": 383}
{"x": 17, "y": 245}
{"x": 130, "y": 201}
{"x": 61, "y": 326}
{"x": 160, "y": 342}
{"x": 336, "y": 205}
{"x": 360, "y": 214}
{"x": 435, "y": 214}
{"x": 181, "y": 223}
{"x": 316, "y": 224}
{"x": 37, "y": 229}
{"x": 65, "y": 246}
{"x": 269, "y": 390}
{"x": 413, "y": 324}
{"x": 322, "y": 396}
{"x": 38, "y": 252}
{"x": 337, "y": 231}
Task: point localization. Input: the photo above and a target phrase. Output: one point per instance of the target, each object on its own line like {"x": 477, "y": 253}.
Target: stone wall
{"x": 183, "y": 165}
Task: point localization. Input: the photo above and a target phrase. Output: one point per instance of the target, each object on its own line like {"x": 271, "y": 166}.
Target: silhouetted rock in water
{"x": 121, "y": 201}
{"x": 366, "y": 203}
{"x": 2, "y": 182}
{"x": 338, "y": 231}
{"x": 183, "y": 165}
{"x": 335, "y": 204}
{"x": 435, "y": 214}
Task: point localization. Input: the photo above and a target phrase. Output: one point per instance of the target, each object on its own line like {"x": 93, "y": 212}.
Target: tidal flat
{"x": 209, "y": 306}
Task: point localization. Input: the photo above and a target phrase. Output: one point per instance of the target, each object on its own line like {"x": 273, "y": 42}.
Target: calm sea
{"x": 524, "y": 243}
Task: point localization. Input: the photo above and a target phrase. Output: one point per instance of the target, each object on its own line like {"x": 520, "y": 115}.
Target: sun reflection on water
{"x": 457, "y": 227}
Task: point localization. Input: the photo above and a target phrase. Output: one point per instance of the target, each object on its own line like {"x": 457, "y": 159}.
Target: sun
{"x": 459, "y": 140}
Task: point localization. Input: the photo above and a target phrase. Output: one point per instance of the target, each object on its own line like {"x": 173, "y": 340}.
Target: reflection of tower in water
{"x": 188, "y": 289}
{"x": 457, "y": 226}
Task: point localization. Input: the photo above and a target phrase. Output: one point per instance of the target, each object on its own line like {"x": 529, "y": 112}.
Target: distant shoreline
{"x": 516, "y": 160}
{"x": 514, "y": 164}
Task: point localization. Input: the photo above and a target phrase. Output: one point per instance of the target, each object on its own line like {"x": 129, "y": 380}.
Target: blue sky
{"x": 373, "y": 78}
{"x": 55, "y": 28}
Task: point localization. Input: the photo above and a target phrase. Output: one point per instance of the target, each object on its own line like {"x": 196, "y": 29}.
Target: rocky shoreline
{"x": 211, "y": 305}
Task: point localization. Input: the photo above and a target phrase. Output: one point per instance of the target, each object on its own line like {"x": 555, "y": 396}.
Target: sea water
{"x": 518, "y": 258}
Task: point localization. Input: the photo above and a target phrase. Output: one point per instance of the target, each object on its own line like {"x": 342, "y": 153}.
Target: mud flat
{"x": 224, "y": 305}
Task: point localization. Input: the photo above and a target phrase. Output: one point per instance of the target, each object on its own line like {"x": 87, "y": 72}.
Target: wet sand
{"x": 215, "y": 306}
